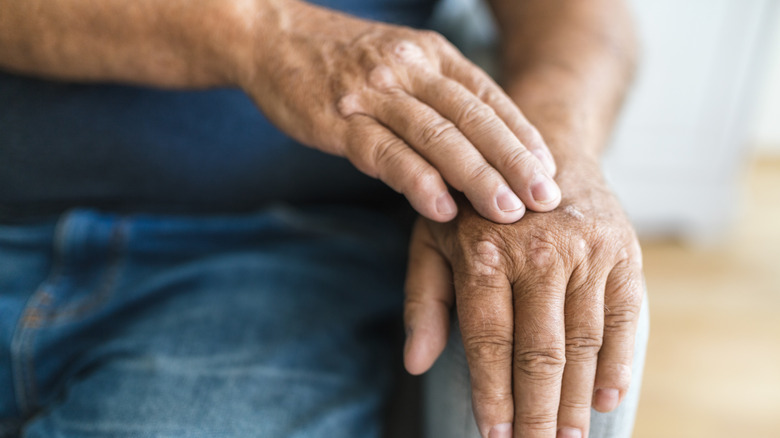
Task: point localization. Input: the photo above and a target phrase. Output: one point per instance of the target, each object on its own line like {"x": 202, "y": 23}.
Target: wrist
{"x": 555, "y": 102}
{"x": 232, "y": 40}
{"x": 575, "y": 152}
{"x": 248, "y": 34}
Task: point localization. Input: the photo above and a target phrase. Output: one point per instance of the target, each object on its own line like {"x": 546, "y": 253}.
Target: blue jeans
{"x": 280, "y": 323}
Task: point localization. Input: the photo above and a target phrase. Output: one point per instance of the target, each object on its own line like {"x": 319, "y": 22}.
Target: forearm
{"x": 171, "y": 43}
{"x": 568, "y": 64}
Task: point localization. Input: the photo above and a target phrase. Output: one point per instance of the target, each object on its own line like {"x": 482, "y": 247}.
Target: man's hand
{"x": 547, "y": 307}
{"x": 403, "y": 106}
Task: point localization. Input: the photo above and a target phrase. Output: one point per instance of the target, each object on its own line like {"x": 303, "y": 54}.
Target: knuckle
{"x": 414, "y": 303}
{"x": 578, "y": 248}
{"x": 482, "y": 172}
{"x": 517, "y": 161}
{"x": 486, "y": 259}
{"x": 384, "y": 151}
{"x": 474, "y": 114}
{"x": 540, "y": 364}
{"x": 487, "y": 93}
{"x": 543, "y": 251}
{"x": 583, "y": 346}
{"x": 575, "y": 404}
{"x": 349, "y": 104}
{"x": 421, "y": 181}
{"x": 538, "y": 421}
{"x": 382, "y": 78}
{"x": 438, "y": 132}
{"x": 489, "y": 346}
{"x": 407, "y": 51}
{"x": 491, "y": 398}
{"x": 627, "y": 295}
{"x": 620, "y": 317}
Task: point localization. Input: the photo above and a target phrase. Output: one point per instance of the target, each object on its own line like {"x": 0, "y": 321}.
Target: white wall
{"x": 765, "y": 133}
{"x": 679, "y": 149}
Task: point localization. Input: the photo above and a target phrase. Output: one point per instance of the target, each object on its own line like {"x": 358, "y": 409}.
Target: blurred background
{"x": 695, "y": 160}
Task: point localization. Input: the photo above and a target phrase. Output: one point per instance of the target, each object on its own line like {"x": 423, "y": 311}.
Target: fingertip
{"x": 606, "y": 399}
{"x": 429, "y": 297}
{"x": 507, "y": 201}
{"x": 446, "y": 207}
{"x": 503, "y": 430}
{"x": 422, "y": 349}
{"x": 507, "y": 208}
{"x": 502, "y": 217}
{"x": 545, "y": 193}
{"x": 411, "y": 363}
{"x": 437, "y": 209}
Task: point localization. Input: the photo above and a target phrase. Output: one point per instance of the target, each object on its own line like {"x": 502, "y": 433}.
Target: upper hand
{"x": 547, "y": 307}
{"x": 403, "y": 106}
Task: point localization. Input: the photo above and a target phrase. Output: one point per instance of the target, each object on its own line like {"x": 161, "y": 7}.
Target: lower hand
{"x": 547, "y": 307}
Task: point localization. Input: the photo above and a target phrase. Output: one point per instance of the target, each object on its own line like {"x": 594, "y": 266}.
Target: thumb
{"x": 429, "y": 298}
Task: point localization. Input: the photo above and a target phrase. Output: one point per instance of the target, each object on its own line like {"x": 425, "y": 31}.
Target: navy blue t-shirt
{"x": 133, "y": 148}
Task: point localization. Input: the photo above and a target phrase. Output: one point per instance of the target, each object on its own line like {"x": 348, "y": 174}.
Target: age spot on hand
{"x": 573, "y": 212}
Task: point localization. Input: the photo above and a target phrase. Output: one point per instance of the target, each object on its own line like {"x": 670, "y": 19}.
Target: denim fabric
{"x": 273, "y": 324}
{"x": 280, "y": 323}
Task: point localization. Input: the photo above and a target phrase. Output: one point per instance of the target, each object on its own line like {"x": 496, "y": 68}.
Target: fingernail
{"x": 503, "y": 430}
{"x": 569, "y": 432}
{"x": 507, "y": 200}
{"x": 544, "y": 190}
{"x": 445, "y": 205}
{"x": 607, "y": 399}
{"x": 546, "y": 159}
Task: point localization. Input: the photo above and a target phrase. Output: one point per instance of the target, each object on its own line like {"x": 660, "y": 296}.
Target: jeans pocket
{"x": 86, "y": 263}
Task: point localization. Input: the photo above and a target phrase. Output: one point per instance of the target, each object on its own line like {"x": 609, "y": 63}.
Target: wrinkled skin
{"x": 547, "y": 307}
{"x": 406, "y": 107}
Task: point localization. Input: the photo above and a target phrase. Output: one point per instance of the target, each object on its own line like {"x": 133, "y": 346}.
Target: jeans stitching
{"x": 31, "y": 319}
{"x": 105, "y": 289}
{"x": 21, "y": 362}
{"x": 36, "y": 315}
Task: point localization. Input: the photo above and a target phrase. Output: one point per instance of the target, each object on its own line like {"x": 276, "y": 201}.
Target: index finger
{"x": 486, "y": 89}
{"x": 539, "y": 353}
{"x": 488, "y": 132}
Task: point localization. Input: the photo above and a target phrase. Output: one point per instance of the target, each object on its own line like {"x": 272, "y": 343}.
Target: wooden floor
{"x": 713, "y": 367}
